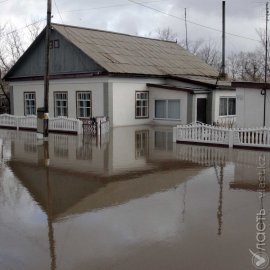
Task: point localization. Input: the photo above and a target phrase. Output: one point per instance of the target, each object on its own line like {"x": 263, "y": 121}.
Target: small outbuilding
{"x": 250, "y": 104}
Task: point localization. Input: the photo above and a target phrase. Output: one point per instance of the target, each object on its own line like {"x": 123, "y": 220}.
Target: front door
{"x": 201, "y": 110}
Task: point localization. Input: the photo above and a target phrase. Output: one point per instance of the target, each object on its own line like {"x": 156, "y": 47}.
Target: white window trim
{"x": 25, "y": 99}
{"x": 167, "y": 119}
{"x": 227, "y": 115}
{"x": 147, "y": 107}
{"x": 55, "y": 111}
{"x": 77, "y": 103}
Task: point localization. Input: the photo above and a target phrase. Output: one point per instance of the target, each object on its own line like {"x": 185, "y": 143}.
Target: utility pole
{"x": 223, "y": 74}
{"x": 186, "y": 28}
{"x": 46, "y": 76}
{"x": 266, "y": 62}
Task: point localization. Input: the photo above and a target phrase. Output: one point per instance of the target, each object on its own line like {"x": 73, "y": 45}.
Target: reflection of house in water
{"x": 123, "y": 167}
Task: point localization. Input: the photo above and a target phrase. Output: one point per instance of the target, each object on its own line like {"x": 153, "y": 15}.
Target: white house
{"x": 132, "y": 80}
{"x": 250, "y": 104}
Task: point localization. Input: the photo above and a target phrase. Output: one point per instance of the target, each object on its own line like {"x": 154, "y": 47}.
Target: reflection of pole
{"x": 2, "y": 151}
{"x": 220, "y": 201}
{"x": 49, "y": 209}
{"x": 184, "y": 202}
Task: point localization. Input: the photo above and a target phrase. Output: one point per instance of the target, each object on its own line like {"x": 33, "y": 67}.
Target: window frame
{"x": 54, "y": 102}
{"x": 35, "y": 100}
{"x": 167, "y": 109}
{"x": 147, "y": 111}
{"x": 56, "y": 43}
{"x": 227, "y": 106}
{"x": 77, "y": 107}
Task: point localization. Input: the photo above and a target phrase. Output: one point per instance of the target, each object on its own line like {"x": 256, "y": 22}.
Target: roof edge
{"x": 242, "y": 84}
{"x": 112, "y": 32}
{"x": 184, "y": 89}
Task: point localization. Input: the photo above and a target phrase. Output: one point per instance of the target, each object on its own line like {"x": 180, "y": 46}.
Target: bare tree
{"x": 210, "y": 54}
{"x": 13, "y": 43}
{"x": 166, "y": 34}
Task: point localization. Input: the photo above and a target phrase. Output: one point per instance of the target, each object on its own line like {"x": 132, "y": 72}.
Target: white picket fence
{"x": 65, "y": 124}
{"x": 30, "y": 122}
{"x": 202, "y": 133}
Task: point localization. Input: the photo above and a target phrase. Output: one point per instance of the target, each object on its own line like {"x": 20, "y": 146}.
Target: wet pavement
{"x": 131, "y": 200}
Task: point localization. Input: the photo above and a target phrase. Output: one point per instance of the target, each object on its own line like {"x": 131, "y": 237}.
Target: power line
{"x": 58, "y": 11}
{"x": 191, "y": 22}
{"x": 26, "y": 26}
{"x": 104, "y": 7}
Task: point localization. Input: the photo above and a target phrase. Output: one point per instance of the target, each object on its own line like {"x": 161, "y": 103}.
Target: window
{"x": 167, "y": 109}
{"x": 29, "y": 103}
{"x": 142, "y": 104}
{"x": 60, "y": 104}
{"x": 84, "y": 109}
{"x": 227, "y": 106}
{"x": 56, "y": 43}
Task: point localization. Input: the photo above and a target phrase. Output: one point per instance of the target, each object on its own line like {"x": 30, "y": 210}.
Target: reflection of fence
{"x": 30, "y": 122}
{"x": 206, "y": 156}
{"x": 201, "y": 133}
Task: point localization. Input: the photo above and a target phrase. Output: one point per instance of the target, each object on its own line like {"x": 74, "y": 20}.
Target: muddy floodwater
{"x": 131, "y": 200}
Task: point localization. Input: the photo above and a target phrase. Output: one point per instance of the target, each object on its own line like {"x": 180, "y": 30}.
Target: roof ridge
{"x": 112, "y": 32}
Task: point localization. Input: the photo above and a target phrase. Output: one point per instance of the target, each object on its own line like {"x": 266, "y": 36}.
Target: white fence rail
{"x": 7, "y": 120}
{"x": 65, "y": 124}
{"x": 30, "y": 122}
{"x": 201, "y": 133}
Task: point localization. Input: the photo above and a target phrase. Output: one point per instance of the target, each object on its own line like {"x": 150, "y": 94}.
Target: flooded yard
{"x": 132, "y": 200}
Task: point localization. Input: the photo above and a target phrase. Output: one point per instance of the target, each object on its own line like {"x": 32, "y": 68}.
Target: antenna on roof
{"x": 186, "y": 28}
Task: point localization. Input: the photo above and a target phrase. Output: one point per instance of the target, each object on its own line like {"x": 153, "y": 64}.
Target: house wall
{"x": 112, "y": 97}
{"x": 156, "y": 93}
{"x": 250, "y": 108}
{"x": 122, "y": 100}
{"x": 217, "y": 94}
{"x": 33, "y": 61}
{"x": 96, "y": 87}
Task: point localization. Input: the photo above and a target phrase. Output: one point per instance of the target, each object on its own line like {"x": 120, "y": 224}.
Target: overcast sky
{"x": 243, "y": 17}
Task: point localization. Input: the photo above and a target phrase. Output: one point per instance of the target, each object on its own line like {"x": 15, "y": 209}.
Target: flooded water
{"x": 132, "y": 200}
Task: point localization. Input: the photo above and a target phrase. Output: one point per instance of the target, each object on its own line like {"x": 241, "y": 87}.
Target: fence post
{"x": 231, "y": 135}
{"x": 174, "y": 133}
{"x": 18, "y": 122}
{"x": 79, "y": 127}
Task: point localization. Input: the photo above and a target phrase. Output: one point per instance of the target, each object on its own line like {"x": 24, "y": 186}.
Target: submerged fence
{"x": 30, "y": 122}
{"x": 96, "y": 126}
{"x": 58, "y": 124}
{"x": 202, "y": 133}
